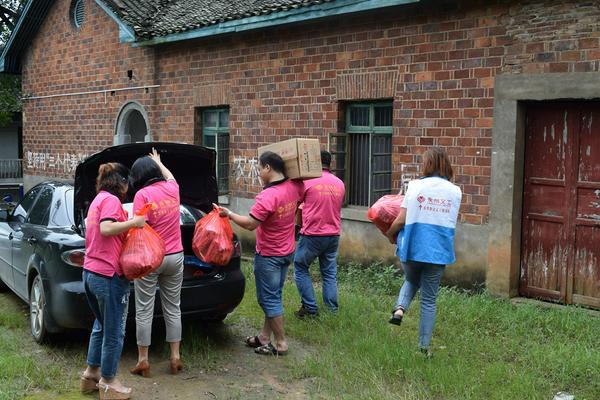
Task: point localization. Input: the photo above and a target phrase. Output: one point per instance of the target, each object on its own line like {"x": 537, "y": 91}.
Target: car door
{"x": 9, "y": 229}
{"x": 27, "y": 240}
{"x": 5, "y": 252}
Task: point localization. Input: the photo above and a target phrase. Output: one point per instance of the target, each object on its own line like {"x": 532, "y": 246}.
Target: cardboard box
{"x": 302, "y": 157}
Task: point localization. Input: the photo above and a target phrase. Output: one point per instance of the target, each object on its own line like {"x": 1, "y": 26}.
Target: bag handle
{"x": 144, "y": 210}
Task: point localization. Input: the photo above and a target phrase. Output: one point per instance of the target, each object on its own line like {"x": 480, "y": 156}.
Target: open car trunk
{"x": 193, "y": 167}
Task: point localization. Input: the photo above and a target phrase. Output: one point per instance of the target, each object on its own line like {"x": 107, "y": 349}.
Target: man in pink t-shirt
{"x": 320, "y": 214}
{"x": 272, "y": 215}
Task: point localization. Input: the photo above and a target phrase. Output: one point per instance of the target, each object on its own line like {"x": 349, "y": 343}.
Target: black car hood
{"x": 193, "y": 167}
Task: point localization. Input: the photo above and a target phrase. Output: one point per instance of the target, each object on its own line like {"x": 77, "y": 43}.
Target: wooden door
{"x": 560, "y": 243}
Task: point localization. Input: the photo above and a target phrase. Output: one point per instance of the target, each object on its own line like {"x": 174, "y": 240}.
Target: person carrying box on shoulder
{"x": 272, "y": 216}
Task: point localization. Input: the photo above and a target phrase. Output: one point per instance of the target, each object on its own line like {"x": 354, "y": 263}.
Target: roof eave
{"x": 126, "y": 33}
{"x": 28, "y": 24}
{"x": 7, "y": 62}
{"x": 275, "y": 19}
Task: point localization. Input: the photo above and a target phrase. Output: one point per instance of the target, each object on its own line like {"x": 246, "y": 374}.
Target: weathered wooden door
{"x": 560, "y": 243}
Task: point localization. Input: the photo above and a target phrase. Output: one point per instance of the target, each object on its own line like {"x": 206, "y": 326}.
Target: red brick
{"x": 286, "y": 84}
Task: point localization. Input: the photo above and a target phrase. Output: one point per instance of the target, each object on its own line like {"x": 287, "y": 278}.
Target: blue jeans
{"x": 270, "y": 273}
{"x": 109, "y": 299}
{"x": 309, "y": 248}
{"x": 427, "y": 277}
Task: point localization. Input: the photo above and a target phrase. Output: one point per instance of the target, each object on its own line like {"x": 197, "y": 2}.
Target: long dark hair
{"x": 437, "y": 163}
{"x": 112, "y": 178}
{"x": 144, "y": 172}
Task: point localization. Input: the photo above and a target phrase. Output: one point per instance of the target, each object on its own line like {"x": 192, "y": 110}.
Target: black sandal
{"x": 396, "y": 320}
{"x": 269, "y": 350}
{"x": 253, "y": 341}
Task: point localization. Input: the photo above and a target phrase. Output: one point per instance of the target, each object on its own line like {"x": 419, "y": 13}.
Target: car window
{"x": 38, "y": 215}
{"x": 21, "y": 211}
{"x": 61, "y": 213}
{"x": 186, "y": 216}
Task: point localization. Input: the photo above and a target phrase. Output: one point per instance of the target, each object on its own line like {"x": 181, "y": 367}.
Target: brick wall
{"x": 58, "y": 131}
{"x": 436, "y": 61}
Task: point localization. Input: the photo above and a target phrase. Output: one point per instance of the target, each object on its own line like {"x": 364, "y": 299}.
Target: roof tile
{"x": 153, "y": 18}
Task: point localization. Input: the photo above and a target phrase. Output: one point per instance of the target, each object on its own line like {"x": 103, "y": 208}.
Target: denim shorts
{"x": 270, "y": 273}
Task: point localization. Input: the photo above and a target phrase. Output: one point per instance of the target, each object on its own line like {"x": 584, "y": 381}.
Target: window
{"x": 61, "y": 213}
{"x": 214, "y": 134}
{"x": 41, "y": 209}
{"x": 23, "y": 208}
{"x": 363, "y": 153}
{"x": 78, "y": 13}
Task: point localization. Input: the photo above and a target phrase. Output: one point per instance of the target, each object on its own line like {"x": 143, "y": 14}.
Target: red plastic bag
{"x": 384, "y": 211}
{"x": 143, "y": 250}
{"x": 213, "y": 239}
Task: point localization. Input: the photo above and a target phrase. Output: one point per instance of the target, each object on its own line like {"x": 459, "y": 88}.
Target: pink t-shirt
{"x": 275, "y": 208}
{"x": 322, "y": 205}
{"x": 164, "y": 215}
{"x": 102, "y": 252}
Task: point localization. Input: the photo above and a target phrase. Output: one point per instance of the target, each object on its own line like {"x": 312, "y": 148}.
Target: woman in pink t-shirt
{"x": 106, "y": 288}
{"x": 156, "y": 185}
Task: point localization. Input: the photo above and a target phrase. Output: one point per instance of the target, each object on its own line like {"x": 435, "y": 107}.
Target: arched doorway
{"x": 132, "y": 125}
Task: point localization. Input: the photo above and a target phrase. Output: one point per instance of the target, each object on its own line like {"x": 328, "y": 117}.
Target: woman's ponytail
{"x": 112, "y": 177}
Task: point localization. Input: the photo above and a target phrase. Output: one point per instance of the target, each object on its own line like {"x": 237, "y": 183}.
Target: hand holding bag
{"x": 213, "y": 239}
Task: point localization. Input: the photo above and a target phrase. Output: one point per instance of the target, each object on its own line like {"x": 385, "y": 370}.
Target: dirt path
{"x": 239, "y": 374}
{"x": 223, "y": 367}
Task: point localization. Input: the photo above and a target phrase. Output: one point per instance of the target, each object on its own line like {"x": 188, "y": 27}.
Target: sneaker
{"x": 303, "y": 312}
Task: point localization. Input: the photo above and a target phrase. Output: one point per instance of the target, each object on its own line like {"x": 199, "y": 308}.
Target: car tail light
{"x": 74, "y": 257}
{"x": 237, "y": 249}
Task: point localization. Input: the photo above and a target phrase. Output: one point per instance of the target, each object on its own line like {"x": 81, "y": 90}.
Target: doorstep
{"x": 547, "y": 304}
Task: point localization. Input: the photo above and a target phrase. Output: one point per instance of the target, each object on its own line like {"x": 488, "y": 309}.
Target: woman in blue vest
{"x": 425, "y": 228}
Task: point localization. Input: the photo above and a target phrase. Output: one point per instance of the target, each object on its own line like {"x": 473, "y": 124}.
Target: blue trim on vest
{"x": 426, "y": 243}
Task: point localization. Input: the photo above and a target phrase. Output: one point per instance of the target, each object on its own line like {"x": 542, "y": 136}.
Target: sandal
{"x": 269, "y": 350}
{"x": 395, "y": 319}
{"x": 426, "y": 352}
{"x": 108, "y": 392}
{"x": 141, "y": 368}
{"x": 253, "y": 341}
{"x": 87, "y": 385}
{"x": 176, "y": 365}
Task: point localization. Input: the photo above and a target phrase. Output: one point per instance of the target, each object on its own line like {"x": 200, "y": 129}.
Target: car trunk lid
{"x": 193, "y": 167}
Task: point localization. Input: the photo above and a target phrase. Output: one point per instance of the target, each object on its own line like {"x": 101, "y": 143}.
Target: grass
{"x": 484, "y": 348}
{"x": 23, "y": 368}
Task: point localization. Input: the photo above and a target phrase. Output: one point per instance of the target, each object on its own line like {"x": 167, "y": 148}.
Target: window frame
{"x": 372, "y": 131}
{"x": 21, "y": 216}
{"x": 216, "y": 132}
{"x": 45, "y": 217}
{"x": 78, "y": 6}
{"x": 371, "y": 128}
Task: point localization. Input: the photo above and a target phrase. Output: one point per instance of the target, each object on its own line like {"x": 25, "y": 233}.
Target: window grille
{"x": 215, "y": 135}
{"x": 363, "y": 154}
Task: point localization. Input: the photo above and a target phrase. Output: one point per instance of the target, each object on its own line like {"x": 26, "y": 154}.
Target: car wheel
{"x": 37, "y": 310}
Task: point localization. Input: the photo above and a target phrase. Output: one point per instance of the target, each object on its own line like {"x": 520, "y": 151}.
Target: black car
{"x": 42, "y": 242}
